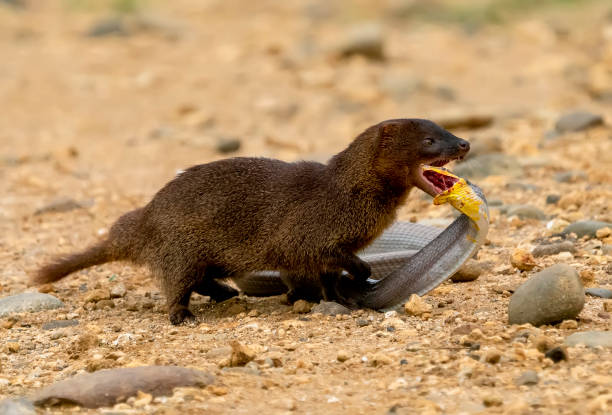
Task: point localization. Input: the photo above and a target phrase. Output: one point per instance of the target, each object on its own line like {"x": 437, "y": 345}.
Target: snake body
{"x": 408, "y": 258}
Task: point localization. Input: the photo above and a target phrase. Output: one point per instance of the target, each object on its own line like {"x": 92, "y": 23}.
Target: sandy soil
{"x": 106, "y": 121}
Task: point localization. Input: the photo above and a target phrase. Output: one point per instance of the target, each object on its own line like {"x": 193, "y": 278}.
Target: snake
{"x": 407, "y": 258}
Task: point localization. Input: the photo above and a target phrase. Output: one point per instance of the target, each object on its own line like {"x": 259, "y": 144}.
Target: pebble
{"x": 343, "y": 355}
{"x": 577, "y": 121}
{"x": 416, "y": 306}
{"x": 97, "y": 295}
{"x": 551, "y": 295}
{"x": 599, "y": 292}
{"x": 568, "y": 325}
{"x": 557, "y": 354}
{"x": 556, "y": 225}
{"x": 118, "y": 290}
{"x": 522, "y": 260}
{"x": 553, "y": 248}
{"x": 492, "y": 356}
{"x": 570, "y": 176}
{"x": 227, "y": 145}
{"x": 241, "y": 354}
{"x": 528, "y": 377}
{"x": 606, "y": 249}
{"x": 20, "y": 406}
{"x": 585, "y": 228}
{"x": 469, "y": 271}
{"x": 603, "y": 232}
{"x": 28, "y": 302}
{"x": 365, "y": 40}
{"x": 330, "y": 308}
{"x": 494, "y": 164}
{"x": 526, "y": 212}
{"x": 468, "y": 120}
{"x": 108, "y": 26}
{"x": 61, "y": 205}
{"x": 492, "y": 400}
{"x": 105, "y": 387}
{"x": 552, "y": 199}
{"x": 590, "y": 338}
{"x": 302, "y": 306}
{"x": 56, "y": 324}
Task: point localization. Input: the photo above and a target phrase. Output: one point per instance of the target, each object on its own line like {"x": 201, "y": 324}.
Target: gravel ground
{"x": 92, "y": 125}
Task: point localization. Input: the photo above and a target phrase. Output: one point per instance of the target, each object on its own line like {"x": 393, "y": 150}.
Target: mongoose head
{"x": 407, "y": 145}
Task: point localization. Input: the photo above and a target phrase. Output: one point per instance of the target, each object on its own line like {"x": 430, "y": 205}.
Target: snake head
{"x": 446, "y": 187}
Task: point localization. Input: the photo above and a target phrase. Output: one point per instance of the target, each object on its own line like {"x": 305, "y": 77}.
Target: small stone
{"x": 227, "y": 145}
{"x": 590, "y": 338}
{"x": 526, "y": 212}
{"x": 492, "y": 400}
{"x": 330, "y": 308}
{"x": 457, "y": 118}
{"x": 416, "y": 306}
{"x": 570, "y": 176}
{"x": 552, "y": 199}
{"x": 20, "y": 406}
{"x": 59, "y": 206}
{"x": 557, "y": 354}
{"x": 585, "y": 228}
{"x": 108, "y": 26}
{"x": 556, "y": 225}
{"x": 241, "y": 354}
{"x": 543, "y": 343}
{"x": 380, "y": 359}
{"x": 118, "y": 290}
{"x": 529, "y": 377}
{"x": 469, "y": 271}
{"x": 302, "y": 306}
{"x": 551, "y": 295}
{"x": 12, "y": 347}
{"x": 522, "y": 260}
{"x": 97, "y": 295}
{"x": 361, "y": 322}
{"x": 102, "y": 304}
{"x": 492, "y": 356}
{"x": 28, "y": 302}
{"x": 553, "y": 248}
{"x": 603, "y": 232}
{"x": 365, "y": 40}
{"x": 55, "y": 324}
{"x": 343, "y": 355}
{"x": 577, "y": 121}
{"x": 599, "y": 292}
{"x": 217, "y": 390}
{"x": 142, "y": 399}
{"x": 568, "y": 325}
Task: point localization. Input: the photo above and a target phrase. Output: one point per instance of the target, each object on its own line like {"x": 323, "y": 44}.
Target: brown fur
{"x": 234, "y": 216}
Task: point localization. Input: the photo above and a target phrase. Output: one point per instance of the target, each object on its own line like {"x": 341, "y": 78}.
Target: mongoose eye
{"x": 428, "y": 141}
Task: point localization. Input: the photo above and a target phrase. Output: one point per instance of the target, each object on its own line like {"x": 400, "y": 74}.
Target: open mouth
{"x": 433, "y": 179}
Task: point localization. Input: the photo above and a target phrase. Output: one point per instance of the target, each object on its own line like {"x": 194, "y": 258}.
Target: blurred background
{"x": 102, "y": 101}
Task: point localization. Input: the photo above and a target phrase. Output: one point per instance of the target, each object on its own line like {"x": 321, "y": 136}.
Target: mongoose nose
{"x": 464, "y": 146}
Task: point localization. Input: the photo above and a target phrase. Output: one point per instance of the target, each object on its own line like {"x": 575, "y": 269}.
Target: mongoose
{"x": 238, "y": 215}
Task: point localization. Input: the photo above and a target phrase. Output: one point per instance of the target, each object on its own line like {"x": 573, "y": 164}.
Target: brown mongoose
{"x": 233, "y": 216}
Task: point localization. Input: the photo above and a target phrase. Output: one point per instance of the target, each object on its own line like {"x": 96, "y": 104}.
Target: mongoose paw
{"x": 361, "y": 271}
{"x": 181, "y": 315}
{"x": 222, "y": 293}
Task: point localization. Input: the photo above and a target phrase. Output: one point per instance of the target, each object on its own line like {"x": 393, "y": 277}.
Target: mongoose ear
{"x": 387, "y": 131}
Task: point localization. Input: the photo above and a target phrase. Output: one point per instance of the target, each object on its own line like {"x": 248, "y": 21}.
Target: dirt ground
{"x": 105, "y": 121}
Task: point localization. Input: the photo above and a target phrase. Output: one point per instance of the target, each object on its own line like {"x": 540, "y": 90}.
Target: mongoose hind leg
{"x": 178, "y": 289}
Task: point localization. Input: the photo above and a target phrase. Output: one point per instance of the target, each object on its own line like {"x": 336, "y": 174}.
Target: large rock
{"x": 577, "y": 121}
{"x": 550, "y": 296}
{"x": 19, "y": 406}
{"x": 28, "y": 302}
{"x": 590, "y": 338}
{"x": 585, "y": 227}
{"x": 107, "y": 387}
